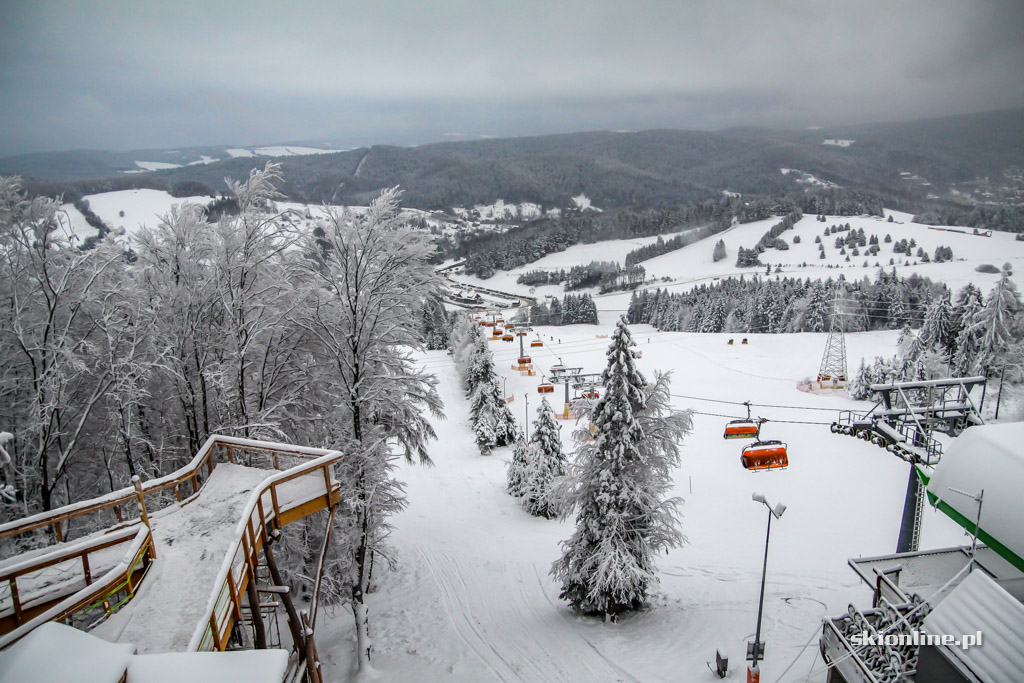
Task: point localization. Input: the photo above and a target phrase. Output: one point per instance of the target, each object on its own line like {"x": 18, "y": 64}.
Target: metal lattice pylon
{"x": 832, "y": 373}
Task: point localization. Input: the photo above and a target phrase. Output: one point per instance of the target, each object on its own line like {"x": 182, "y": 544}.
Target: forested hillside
{"x": 649, "y": 168}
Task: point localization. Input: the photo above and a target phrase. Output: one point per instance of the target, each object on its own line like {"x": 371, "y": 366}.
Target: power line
{"x": 759, "y": 405}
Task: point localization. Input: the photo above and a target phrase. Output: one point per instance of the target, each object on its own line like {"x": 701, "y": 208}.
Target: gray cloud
{"x": 123, "y": 75}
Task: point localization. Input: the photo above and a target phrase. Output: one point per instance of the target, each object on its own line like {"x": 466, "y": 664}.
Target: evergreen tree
{"x": 968, "y": 341}
{"x": 719, "y": 252}
{"x": 997, "y": 325}
{"x": 434, "y": 321}
{"x": 622, "y": 517}
{"x": 516, "y": 474}
{"x": 937, "y": 326}
{"x": 493, "y": 424}
{"x": 545, "y": 463}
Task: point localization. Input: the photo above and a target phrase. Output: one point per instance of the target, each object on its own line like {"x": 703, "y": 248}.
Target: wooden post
{"x": 215, "y": 633}
{"x": 16, "y": 601}
{"x": 294, "y": 625}
{"x": 254, "y": 611}
{"x": 312, "y": 662}
{"x": 58, "y": 531}
{"x": 137, "y": 483}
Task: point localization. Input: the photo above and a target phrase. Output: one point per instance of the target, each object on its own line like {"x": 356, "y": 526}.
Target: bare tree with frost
{"x": 368, "y": 276}
{"x": 54, "y": 381}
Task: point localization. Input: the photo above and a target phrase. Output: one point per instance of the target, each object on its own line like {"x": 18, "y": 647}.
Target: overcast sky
{"x": 139, "y": 74}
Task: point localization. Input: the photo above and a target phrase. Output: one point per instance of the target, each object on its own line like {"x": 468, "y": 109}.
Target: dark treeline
{"x": 788, "y": 305}
{"x": 607, "y": 276}
{"x": 572, "y": 309}
{"x": 1007, "y": 218}
{"x": 663, "y": 246}
{"x": 771, "y": 238}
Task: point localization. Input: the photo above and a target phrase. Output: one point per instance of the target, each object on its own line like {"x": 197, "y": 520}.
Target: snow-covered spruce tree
{"x": 480, "y": 366}
{"x": 860, "y": 387}
{"x": 368, "y": 274}
{"x": 436, "y": 329}
{"x": 517, "y": 469}
{"x": 618, "y": 489}
{"x": 968, "y": 341}
{"x": 936, "y": 331}
{"x": 493, "y": 424}
{"x": 465, "y": 334}
{"x": 545, "y": 463}
{"x": 997, "y": 324}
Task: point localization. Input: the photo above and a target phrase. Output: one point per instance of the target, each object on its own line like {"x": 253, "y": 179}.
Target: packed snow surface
{"x": 191, "y": 542}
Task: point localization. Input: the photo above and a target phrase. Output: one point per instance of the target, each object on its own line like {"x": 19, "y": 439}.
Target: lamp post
{"x": 527, "y": 422}
{"x": 755, "y": 650}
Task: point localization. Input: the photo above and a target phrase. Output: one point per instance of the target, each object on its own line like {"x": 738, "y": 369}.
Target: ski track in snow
{"x": 487, "y": 615}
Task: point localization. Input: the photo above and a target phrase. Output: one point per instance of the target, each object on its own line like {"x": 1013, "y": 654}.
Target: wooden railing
{"x": 77, "y": 571}
{"x": 191, "y": 476}
{"x": 265, "y": 512}
{"x": 123, "y": 577}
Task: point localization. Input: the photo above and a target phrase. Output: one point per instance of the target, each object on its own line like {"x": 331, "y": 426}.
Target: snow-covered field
{"x": 140, "y": 207}
{"x": 471, "y": 598}
{"x": 690, "y": 266}
{"x": 278, "y": 151}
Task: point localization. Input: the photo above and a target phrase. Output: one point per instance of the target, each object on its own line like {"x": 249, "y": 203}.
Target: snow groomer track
{"x": 177, "y": 554}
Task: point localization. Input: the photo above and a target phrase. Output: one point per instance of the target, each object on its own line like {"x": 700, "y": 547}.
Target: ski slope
{"x": 471, "y": 599}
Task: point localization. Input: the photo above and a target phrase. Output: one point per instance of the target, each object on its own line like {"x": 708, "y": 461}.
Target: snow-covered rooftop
{"x": 989, "y": 458}
{"x": 979, "y": 604}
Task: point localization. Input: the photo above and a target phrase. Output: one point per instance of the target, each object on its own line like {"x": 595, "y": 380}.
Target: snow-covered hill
{"x": 690, "y": 266}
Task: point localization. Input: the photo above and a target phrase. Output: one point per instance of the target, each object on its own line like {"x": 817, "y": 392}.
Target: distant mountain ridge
{"x": 648, "y": 168}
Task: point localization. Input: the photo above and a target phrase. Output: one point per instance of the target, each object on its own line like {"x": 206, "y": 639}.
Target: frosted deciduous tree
{"x": 53, "y": 383}
{"x": 619, "y": 492}
{"x": 368, "y": 276}
{"x": 261, "y": 382}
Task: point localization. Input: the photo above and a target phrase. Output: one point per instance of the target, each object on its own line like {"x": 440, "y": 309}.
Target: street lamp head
{"x": 776, "y": 511}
